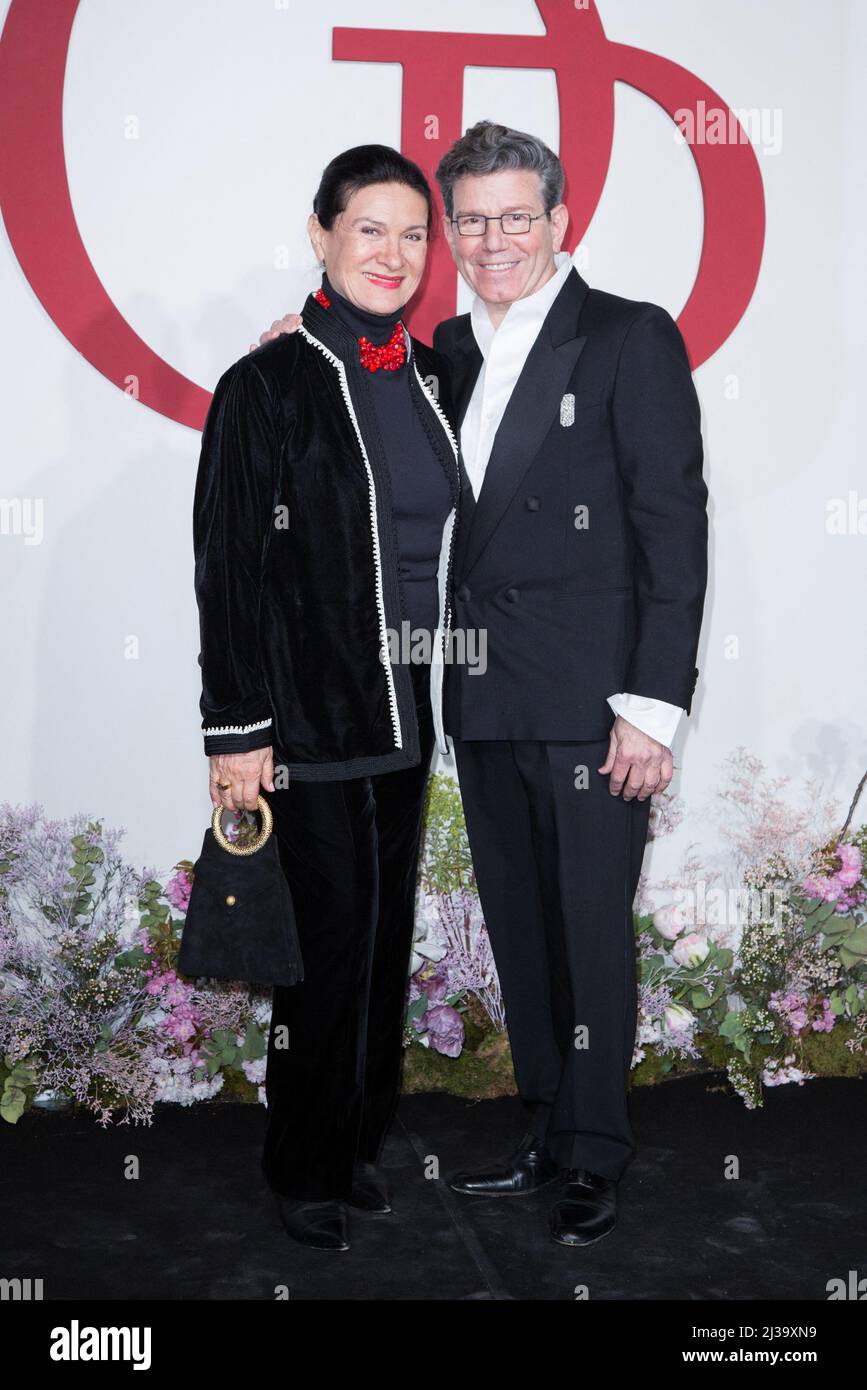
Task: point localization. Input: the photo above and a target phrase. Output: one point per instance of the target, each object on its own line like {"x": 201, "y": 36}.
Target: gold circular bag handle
{"x": 220, "y": 834}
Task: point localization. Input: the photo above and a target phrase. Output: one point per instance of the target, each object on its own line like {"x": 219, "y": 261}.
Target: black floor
{"x": 198, "y": 1223}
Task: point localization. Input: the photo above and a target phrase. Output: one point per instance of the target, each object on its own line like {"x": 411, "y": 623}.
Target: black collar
{"x": 377, "y": 328}
{"x": 333, "y": 333}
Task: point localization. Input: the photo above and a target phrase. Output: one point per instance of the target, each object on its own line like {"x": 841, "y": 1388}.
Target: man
{"x": 583, "y": 556}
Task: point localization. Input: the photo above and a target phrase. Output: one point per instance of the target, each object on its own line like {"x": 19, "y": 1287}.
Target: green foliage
{"x": 417, "y": 1009}
{"x": 19, "y": 1076}
{"x": 254, "y": 1045}
{"x": 840, "y": 931}
{"x": 84, "y": 855}
{"x": 156, "y": 917}
{"x": 133, "y": 959}
{"x": 222, "y": 1052}
{"x": 446, "y": 863}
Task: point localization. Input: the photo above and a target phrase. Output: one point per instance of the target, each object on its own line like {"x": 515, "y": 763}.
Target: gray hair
{"x": 486, "y": 148}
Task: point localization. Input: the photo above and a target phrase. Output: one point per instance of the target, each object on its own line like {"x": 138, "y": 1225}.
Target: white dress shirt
{"x": 505, "y": 350}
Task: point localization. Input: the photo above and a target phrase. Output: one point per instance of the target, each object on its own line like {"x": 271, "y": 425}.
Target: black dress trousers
{"x": 557, "y": 865}
{"x": 349, "y": 850}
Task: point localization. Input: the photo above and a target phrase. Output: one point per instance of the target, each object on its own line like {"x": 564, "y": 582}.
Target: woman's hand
{"x": 244, "y": 772}
{"x": 288, "y": 324}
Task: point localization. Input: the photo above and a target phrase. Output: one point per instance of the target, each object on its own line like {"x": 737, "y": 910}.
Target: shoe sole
{"x": 579, "y": 1244}
{"x": 524, "y": 1192}
{"x": 323, "y": 1249}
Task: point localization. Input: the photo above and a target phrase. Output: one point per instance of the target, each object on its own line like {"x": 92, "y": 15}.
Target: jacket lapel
{"x": 465, "y": 363}
{"x": 533, "y": 405}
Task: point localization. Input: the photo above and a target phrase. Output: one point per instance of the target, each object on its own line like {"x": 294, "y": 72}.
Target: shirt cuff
{"x": 657, "y": 718}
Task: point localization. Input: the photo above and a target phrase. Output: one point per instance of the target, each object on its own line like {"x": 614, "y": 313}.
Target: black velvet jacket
{"x": 296, "y": 560}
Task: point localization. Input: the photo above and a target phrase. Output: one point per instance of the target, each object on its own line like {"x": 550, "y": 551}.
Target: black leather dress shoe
{"x": 320, "y": 1225}
{"x": 587, "y": 1211}
{"x": 527, "y": 1169}
{"x": 369, "y": 1189}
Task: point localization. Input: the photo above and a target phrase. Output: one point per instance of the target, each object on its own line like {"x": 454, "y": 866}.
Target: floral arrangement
{"x": 452, "y": 972}
{"x": 762, "y": 953}
{"x": 755, "y": 961}
{"x": 91, "y": 1005}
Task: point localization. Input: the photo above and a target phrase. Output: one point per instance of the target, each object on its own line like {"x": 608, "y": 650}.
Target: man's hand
{"x": 636, "y": 759}
{"x": 288, "y": 324}
{"x": 244, "y": 772}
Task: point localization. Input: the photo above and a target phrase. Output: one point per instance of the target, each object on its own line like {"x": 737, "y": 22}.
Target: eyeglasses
{"x": 512, "y": 223}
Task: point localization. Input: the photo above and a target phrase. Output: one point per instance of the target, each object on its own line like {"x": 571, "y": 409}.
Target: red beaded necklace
{"x": 389, "y": 356}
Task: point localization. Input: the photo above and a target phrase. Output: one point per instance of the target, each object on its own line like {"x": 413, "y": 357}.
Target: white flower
{"x": 678, "y": 1020}
{"x": 649, "y": 1031}
{"x": 670, "y": 920}
{"x": 776, "y": 1075}
{"x": 175, "y": 1084}
{"x": 255, "y": 1070}
{"x": 425, "y": 945}
{"x": 426, "y": 950}
{"x": 690, "y": 950}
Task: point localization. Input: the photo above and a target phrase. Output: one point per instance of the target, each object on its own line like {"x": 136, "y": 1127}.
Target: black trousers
{"x": 350, "y": 853}
{"x": 557, "y": 867}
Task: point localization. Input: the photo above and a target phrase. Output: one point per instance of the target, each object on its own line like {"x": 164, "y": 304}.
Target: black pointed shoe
{"x": 525, "y": 1170}
{"x": 369, "y": 1188}
{"x": 320, "y": 1225}
{"x": 587, "y": 1211}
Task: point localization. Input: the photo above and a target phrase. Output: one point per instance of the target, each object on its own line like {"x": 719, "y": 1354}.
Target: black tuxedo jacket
{"x": 584, "y": 558}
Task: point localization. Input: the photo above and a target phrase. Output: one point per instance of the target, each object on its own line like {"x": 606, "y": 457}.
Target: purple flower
{"x": 444, "y": 1028}
{"x": 435, "y": 986}
{"x": 826, "y": 1022}
{"x": 792, "y": 1008}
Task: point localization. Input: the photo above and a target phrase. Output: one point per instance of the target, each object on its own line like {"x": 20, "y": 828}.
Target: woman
{"x": 325, "y": 505}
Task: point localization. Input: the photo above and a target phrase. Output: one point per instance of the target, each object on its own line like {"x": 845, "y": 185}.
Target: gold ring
{"x": 224, "y": 786}
{"x": 220, "y": 834}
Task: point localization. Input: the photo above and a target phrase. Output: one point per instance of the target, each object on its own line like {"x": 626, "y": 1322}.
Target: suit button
{"x": 463, "y": 593}
{"x": 532, "y": 503}
{"x": 512, "y": 595}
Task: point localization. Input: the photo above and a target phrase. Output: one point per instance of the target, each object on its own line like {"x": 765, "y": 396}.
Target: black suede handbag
{"x": 240, "y": 922}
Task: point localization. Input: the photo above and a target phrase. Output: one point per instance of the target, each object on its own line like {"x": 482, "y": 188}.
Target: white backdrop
{"x": 239, "y": 106}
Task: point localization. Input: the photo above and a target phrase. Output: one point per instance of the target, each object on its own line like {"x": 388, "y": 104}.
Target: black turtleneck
{"x": 421, "y": 497}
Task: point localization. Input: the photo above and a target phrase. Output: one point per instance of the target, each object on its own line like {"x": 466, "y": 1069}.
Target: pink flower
{"x": 850, "y": 860}
{"x": 826, "y": 889}
{"x": 831, "y": 889}
{"x": 183, "y": 1023}
{"x": 176, "y": 993}
{"x": 178, "y": 889}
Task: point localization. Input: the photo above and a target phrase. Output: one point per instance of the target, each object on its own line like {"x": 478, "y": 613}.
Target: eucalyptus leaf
{"x": 12, "y": 1103}
{"x": 418, "y": 1007}
{"x": 254, "y": 1045}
